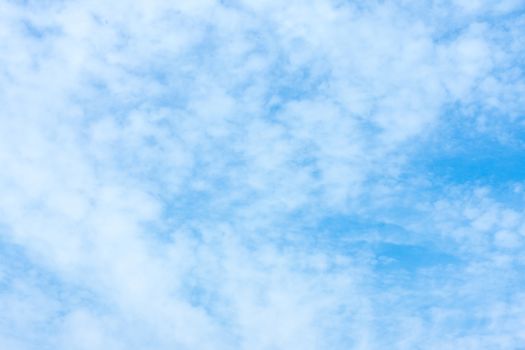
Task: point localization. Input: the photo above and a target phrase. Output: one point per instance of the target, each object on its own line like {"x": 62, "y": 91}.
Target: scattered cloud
{"x": 261, "y": 175}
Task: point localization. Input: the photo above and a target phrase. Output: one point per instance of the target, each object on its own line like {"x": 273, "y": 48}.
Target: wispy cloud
{"x": 261, "y": 175}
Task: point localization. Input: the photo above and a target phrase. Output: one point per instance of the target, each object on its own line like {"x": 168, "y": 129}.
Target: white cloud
{"x": 166, "y": 157}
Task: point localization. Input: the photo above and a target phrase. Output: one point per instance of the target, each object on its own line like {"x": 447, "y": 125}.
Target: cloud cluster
{"x": 260, "y": 175}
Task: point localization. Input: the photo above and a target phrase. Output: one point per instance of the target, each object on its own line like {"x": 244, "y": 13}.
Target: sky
{"x": 262, "y": 175}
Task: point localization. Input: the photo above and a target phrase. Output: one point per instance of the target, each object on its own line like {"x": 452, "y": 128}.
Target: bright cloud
{"x": 262, "y": 175}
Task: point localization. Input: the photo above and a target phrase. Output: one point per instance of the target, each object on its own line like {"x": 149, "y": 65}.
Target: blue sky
{"x": 262, "y": 175}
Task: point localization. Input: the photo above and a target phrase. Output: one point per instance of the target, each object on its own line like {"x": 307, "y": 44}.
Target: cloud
{"x": 260, "y": 175}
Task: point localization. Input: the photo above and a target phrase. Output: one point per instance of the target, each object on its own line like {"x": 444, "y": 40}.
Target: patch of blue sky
{"x": 464, "y": 152}
{"x": 492, "y": 168}
{"x": 392, "y": 247}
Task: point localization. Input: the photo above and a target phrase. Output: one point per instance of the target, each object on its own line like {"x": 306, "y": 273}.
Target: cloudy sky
{"x": 262, "y": 174}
